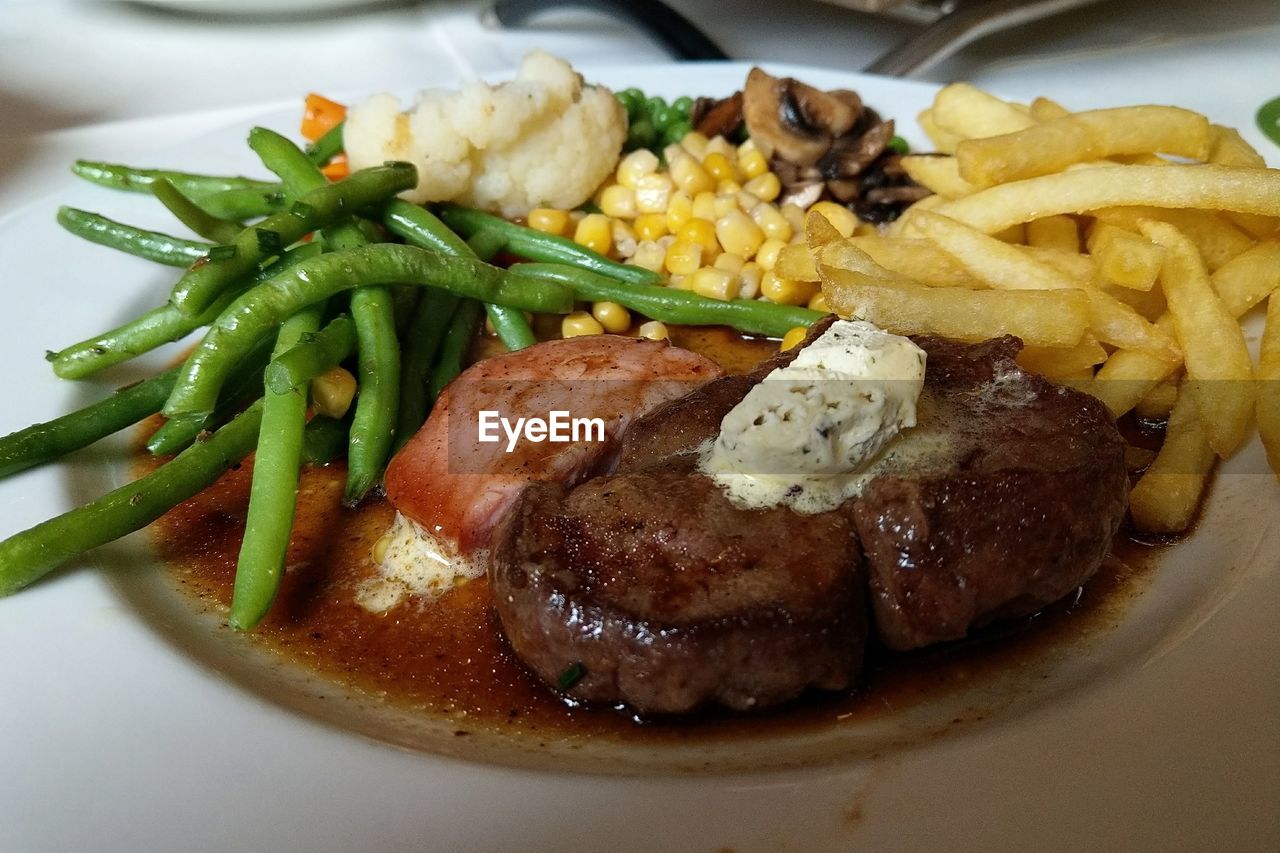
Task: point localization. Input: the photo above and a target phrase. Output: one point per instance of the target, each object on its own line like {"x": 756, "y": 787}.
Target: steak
{"x": 666, "y": 596}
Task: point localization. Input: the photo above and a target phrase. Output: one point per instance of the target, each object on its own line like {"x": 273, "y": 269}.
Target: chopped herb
{"x": 571, "y": 676}
{"x": 222, "y": 253}
{"x": 269, "y": 242}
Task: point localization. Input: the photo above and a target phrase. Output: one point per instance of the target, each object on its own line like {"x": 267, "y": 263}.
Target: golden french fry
{"x": 1219, "y": 372}
{"x": 1051, "y": 146}
{"x": 1269, "y": 384}
{"x": 970, "y": 113}
{"x": 1054, "y": 232}
{"x": 1228, "y": 148}
{"x": 1248, "y": 278}
{"x": 918, "y": 260}
{"x": 1167, "y": 495}
{"x": 943, "y": 140}
{"x": 1149, "y": 303}
{"x": 1082, "y": 190}
{"x": 940, "y": 175}
{"x": 1057, "y": 362}
{"x": 795, "y": 262}
{"x": 1216, "y": 239}
{"x": 844, "y": 255}
{"x": 1159, "y": 401}
{"x": 818, "y": 230}
{"x": 1041, "y": 318}
{"x": 1010, "y": 268}
{"x": 1129, "y": 375}
{"x": 1044, "y": 109}
{"x": 1125, "y": 258}
{"x": 1015, "y": 234}
{"x": 1255, "y": 225}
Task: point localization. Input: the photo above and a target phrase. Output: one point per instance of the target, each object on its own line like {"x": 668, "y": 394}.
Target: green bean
{"x": 324, "y": 440}
{"x": 243, "y": 386}
{"x": 378, "y": 371}
{"x": 192, "y": 215}
{"x": 426, "y": 330}
{"x": 44, "y": 442}
{"x": 140, "y": 180}
{"x": 420, "y": 227}
{"x": 298, "y": 174}
{"x": 202, "y": 285}
{"x": 312, "y": 355}
{"x": 254, "y": 314}
{"x": 273, "y": 495}
{"x": 241, "y": 204}
{"x": 157, "y": 327}
{"x": 328, "y": 146}
{"x": 676, "y": 306}
{"x": 456, "y": 345}
{"x": 152, "y": 245}
{"x": 537, "y": 246}
{"x": 27, "y": 556}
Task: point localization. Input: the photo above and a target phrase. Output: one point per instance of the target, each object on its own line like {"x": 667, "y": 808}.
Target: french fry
{"x": 1248, "y": 278}
{"x": 1044, "y": 109}
{"x": 795, "y": 262}
{"x": 1040, "y": 318}
{"x": 1159, "y": 401}
{"x": 940, "y": 175}
{"x": 918, "y": 260}
{"x": 1228, "y": 148}
{"x": 970, "y": 113}
{"x": 1125, "y": 258}
{"x": 1149, "y": 303}
{"x": 1054, "y": 232}
{"x": 1269, "y": 384}
{"x": 1057, "y": 362}
{"x": 1129, "y": 375}
{"x": 1083, "y": 190}
{"x": 818, "y": 230}
{"x": 1219, "y": 372}
{"x": 1167, "y": 495}
{"x": 1051, "y": 146}
{"x": 943, "y": 140}
{"x": 1009, "y": 268}
{"x": 1216, "y": 239}
{"x": 859, "y": 265}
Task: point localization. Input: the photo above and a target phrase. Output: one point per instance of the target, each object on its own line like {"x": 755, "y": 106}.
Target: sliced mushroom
{"x": 851, "y": 155}
{"x": 845, "y": 190}
{"x": 717, "y": 118}
{"x": 820, "y": 110}
{"x": 804, "y": 194}
{"x": 896, "y": 195}
{"x": 777, "y": 118}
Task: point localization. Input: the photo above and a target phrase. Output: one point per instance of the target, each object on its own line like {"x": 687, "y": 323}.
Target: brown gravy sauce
{"x": 448, "y": 657}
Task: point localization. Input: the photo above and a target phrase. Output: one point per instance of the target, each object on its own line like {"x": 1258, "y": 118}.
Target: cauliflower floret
{"x": 541, "y": 140}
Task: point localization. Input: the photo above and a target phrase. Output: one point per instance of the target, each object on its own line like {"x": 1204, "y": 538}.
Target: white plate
{"x": 124, "y": 728}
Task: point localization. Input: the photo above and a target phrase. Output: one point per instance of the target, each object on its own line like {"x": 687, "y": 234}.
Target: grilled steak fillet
{"x": 1003, "y": 498}
{"x": 670, "y": 597}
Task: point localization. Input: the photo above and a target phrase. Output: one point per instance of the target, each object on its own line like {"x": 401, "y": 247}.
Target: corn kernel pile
{"x": 708, "y": 221}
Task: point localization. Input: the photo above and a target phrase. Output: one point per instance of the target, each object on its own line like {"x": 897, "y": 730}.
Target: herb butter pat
{"x": 805, "y": 436}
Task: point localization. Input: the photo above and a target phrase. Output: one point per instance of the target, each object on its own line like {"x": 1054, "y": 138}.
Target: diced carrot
{"x": 321, "y": 116}
{"x": 337, "y": 168}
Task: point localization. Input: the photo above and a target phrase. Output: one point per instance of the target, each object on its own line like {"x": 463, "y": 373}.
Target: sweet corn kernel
{"x": 729, "y": 262}
{"x": 737, "y": 233}
{"x": 771, "y": 221}
{"x": 693, "y": 143}
{"x": 683, "y": 257}
{"x": 654, "y": 330}
{"x": 701, "y": 231}
{"x": 785, "y": 291}
{"x": 713, "y": 283}
{"x": 380, "y": 548}
{"x": 794, "y": 214}
{"x": 612, "y": 316}
{"x": 766, "y": 186}
{"x": 728, "y": 187}
{"x": 600, "y": 190}
{"x": 767, "y": 254}
{"x": 580, "y": 323}
{"x": 595, "y": 232}
{"x": 618, "y": 201}
{"x": 679, "y": 210}
{"x": 720, "y": 145}
{"x": 332, "y": 392}
{"x": 624, "y": 238}
{"x": 720, "y": 167}
{"x": 725, "y": 202}
{"x": 653, "y": 193}
{"x": 819, "y": 303}
{"x": 635, "y": 166}
{"x": 838, "y": 215}
{"x": 688, "y": 174}
{"x": 792, "y": 338}
{"x": 751, "y": 162}
{"x": 704, "y": 205}
{"x": 679, "y": 282}
{"x": 648, "y": 255}
{"x": 549, "y": 220}
{"x": 747, "y": 200}
{"x": 749, "y": 280}
{"x": 651, "y": 226}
